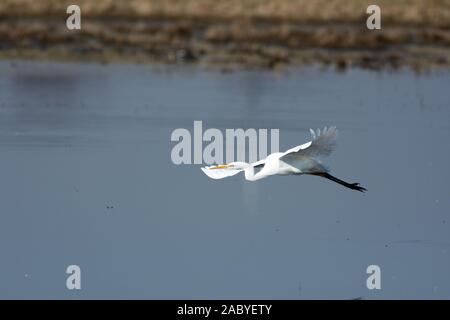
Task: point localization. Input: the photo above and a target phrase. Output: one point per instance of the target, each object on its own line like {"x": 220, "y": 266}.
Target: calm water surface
{"x": 86, "y": 178}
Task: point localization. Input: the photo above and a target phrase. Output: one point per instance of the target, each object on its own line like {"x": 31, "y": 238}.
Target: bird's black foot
{"x": 355, "y": 186}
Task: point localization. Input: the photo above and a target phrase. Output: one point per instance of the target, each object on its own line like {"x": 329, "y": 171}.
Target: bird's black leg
{"x": 353, "y": 186}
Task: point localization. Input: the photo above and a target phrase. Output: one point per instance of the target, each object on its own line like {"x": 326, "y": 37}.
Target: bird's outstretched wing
{"x": 309, "y": 154}
{"x": 223, "y": 173}
{"x": 322, "y": 144}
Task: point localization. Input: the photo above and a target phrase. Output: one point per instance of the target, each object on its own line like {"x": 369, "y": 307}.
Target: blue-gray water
{"x": 86, "y": 178}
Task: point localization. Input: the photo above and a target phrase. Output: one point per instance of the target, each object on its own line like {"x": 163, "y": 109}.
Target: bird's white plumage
{"x": 321, "y": 145}
{"x": 304, "y": 158}
{"x": 307, "y": 157}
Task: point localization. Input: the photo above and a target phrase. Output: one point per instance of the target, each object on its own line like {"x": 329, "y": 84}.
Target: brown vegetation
{"x": 232, "y": 33}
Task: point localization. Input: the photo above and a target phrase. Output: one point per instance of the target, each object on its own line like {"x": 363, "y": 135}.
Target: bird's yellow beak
{"x": 222, "y": 166}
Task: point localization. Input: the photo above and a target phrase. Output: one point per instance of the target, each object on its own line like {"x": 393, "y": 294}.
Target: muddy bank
{"x": 264, "y": 34}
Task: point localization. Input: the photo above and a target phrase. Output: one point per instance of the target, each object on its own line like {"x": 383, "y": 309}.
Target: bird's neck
{"x": 250, "y": 175}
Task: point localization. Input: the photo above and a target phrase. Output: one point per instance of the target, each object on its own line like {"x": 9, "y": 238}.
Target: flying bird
{"x": 302, "y": 159}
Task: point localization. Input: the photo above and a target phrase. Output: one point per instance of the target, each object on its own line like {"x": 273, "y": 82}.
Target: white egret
{"x": 302, "y": 159}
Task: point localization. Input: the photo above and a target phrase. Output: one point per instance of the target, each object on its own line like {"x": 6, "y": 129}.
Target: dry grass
{"x": 416, "y": 12}
{"x": 244, "y": 33}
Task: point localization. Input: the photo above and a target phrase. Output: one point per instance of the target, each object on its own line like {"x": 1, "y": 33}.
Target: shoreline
{"x": 250, "y": 35}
